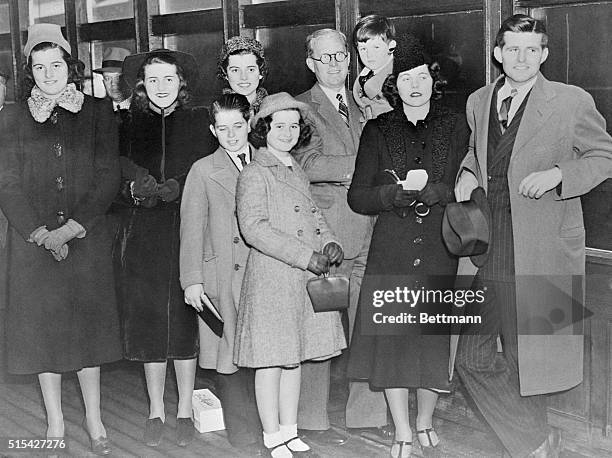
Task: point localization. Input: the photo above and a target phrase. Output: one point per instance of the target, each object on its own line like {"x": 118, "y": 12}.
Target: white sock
{"x": 290, "y": 432}
{"x": 272, "y": 440}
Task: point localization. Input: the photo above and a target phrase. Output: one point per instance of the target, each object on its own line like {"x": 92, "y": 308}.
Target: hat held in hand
{"x": 466, "y": 227}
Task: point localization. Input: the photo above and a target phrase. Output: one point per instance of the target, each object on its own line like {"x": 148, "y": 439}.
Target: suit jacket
{"x": 560, "y": 127}
{"x": 370, "y": 99}
{"x": 212, "y": 250}
{"x": 330, "y": 167}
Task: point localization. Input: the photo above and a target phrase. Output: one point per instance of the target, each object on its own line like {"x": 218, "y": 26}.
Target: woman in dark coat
{"x": 166, "y": 138}
{"x": 407, "y": 248}
{"x": 59, "y": 175}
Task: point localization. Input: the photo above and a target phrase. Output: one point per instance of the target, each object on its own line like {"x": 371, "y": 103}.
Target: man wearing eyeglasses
{"x": 329, "y": 165}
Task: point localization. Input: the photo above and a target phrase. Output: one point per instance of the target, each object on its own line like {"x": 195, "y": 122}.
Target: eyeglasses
{"x": 340, "y": 56}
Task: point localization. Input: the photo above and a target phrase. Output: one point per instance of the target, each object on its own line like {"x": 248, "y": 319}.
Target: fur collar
{"x": 41, "y": 107}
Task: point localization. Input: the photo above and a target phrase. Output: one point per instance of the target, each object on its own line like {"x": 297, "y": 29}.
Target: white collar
{"x": 366, "y": 70}
{"x": 233, "y": 155}
{"x": 331, "y": 95}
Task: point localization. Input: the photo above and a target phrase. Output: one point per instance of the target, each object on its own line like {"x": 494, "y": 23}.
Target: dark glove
{"x": 144, "y": 186}
{"x": 393, "y": 195}
{"x": 434, "y": 193}
{"x": 319, "y": 263}
{"x": 334, "y": 252}
{"x": 169, "y": 190}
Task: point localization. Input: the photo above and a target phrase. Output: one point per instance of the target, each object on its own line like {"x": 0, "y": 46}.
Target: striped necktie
{"x": 505, "y": 108}
{"x": 343, "y": 109}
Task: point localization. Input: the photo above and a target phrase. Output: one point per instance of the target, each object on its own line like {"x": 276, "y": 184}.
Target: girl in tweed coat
{"x": 277, "y": 328}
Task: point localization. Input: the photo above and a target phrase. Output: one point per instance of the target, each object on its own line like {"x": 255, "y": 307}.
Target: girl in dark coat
{"x": 59, "y": 174}
{"x": 167, "y": 137}
{"x": 406, "y": 248}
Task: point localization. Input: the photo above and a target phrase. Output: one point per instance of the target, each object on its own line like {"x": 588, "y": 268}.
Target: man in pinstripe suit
{"x": 536, "y": 147}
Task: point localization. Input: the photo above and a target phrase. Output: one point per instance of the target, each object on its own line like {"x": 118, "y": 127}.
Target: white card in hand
{"x": 415, "y": 180}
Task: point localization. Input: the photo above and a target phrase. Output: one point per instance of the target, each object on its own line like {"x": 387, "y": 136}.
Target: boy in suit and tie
{"x": 374, "y": 39}
{"x": 536, "y": 147}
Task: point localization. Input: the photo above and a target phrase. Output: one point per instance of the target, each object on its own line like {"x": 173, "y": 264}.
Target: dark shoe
{"x": 384, "y": 433}
{"x": 154, "y": 427}
{"x": 184, "y": 431}
{"x": 324, "y": 437}
{"x": 306, "y": 453}
{"x": 427, "y": 442}
{"x": 269, "y": 451}
{"x": 100, "y": 446}
{"x": 400, "y": 453}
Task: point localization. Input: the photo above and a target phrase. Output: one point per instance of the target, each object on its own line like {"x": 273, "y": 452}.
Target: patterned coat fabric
{"x": 213, "y": 252}
{"x": 405, "y": 247}
{"x": 279, "y": 219}
{"x": 156, "y": 322}
{"x": 560, "y": 126}
{"x": 62, "y": 316}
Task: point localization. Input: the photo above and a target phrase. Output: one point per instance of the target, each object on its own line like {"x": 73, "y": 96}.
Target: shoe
{"x": 268, "y": 451}
{"x": 384, "y": 433}
{"x": 400, "y": 453}
{"x": 154, "y": 428}
{"x": 325, "y": 437}
{"x": 306, "y": 453}
{"x": 184, "y": 431}
{"x": 427, "y": 444}
{"x": 100, "y": 446}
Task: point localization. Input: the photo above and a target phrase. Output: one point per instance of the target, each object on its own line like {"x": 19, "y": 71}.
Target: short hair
{"x": 140, "y": 100}
{"x": 258, "y": 134}
{"x": 373, "y": 26}
{"x": 391, "y": 93}
{"x": 75, "y": 67}
{"x": 230, "y": 101}
{"x": 521, "y": 23}
{"x": 322, "y": 33}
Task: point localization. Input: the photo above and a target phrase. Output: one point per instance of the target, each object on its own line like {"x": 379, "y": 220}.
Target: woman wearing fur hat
{"x": 277, "y": 328}
{"x": 166, "y": 138}
{"x": 407, "y": 246}
{"x": 242, "y": 65}
{"x": 59, "y": 175}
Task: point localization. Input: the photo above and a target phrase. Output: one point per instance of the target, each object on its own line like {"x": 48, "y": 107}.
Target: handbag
{"x": 328, "y": 294}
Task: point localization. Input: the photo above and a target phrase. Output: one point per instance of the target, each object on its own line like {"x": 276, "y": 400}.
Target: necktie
{"x": 364, "y": 78}
{"x": 505, "y": 108}
{"x": 342, "y": 108}
{"x": 242, "y": 158}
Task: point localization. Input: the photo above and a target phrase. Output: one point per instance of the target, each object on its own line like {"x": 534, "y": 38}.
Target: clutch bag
{"x": 328, "y": 294}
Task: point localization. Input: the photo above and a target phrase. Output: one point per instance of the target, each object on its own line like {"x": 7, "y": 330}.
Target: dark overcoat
{"x": 62, "y": 316}
{"x": 156, "y": 322}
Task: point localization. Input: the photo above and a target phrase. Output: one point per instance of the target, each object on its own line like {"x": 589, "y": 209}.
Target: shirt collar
{"x": 331, "y": 95}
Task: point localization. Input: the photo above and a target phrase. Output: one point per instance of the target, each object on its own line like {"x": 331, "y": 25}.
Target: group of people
{"x": 232, "y": 209}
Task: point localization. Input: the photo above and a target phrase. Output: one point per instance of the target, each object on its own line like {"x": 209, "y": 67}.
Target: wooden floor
{"x": 124, "y": 405}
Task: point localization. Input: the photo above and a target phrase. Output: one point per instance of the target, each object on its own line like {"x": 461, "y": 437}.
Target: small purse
{"x": 328, "y": 294}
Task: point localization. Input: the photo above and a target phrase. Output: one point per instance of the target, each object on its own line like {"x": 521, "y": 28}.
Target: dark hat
{"x": 132, "y": 65}
{"x": 283, "y": 101}
{"x": 409, "y": 53}
{"x": 112, "y": 60}
{"x": 466, "y": 227}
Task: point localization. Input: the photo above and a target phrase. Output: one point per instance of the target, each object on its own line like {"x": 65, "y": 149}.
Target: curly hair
{"x": 75, "y": 68}
{"x": 140, "y": 99}
{"x": 390, "y": 92}
{"x": 261, "y": 63}
{"x": 259, "y": 133}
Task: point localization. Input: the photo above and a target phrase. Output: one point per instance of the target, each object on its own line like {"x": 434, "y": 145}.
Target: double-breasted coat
{"x": 283, "y": 225}
{"x": 213, "y": 252}
{"x": 560, "y": 127}
{"x": 62, "y": 316}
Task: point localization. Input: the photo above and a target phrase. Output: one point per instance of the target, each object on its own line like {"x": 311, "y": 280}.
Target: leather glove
{"x": 334, "y": 252}
{"x": 169, "y": 190}
{"x": 318, "y": 264}
{"x": 64, "y": 234}
{"x": 61, "y": 254}
{"x": 144, "y": 186}
{"x": 393, "y": 195}
{"x": 434, "y": 193}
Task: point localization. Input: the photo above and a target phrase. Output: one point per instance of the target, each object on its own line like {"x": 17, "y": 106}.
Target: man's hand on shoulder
{"x": 536, "y": 184}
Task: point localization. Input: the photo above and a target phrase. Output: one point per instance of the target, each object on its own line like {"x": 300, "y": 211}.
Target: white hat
{"x": 40, "y": 33}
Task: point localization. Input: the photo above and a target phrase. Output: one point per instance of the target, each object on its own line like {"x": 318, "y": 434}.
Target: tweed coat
{"x": 281, "y": 222}
{"x": 370, "y": 99}
{"x": 330, "y": 169}
{"x": 62, "y": 316}
{"x": 560, "y": 127}
{"x": 213, "y": 251}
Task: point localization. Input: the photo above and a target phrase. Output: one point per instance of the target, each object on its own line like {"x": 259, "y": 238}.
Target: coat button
{"x": 296, "y": 208}
{"x": 59, "y": 182}
{"x": 318, "y": 231}
{"x": 236, "y": 267}
{"x": 418, "y": 240}
{"x": 489, "y": 178}
{"x": 300, "y": 232}
{"x": 416, "y": 262}
{"x": 419, "y": 220}
{"x": 313, "y": 210}
{"x": 418, "y": 160}
{"x": 61, "y": 217}
{"x": 57, "y": 149}
{"x": 236, "y": 239}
